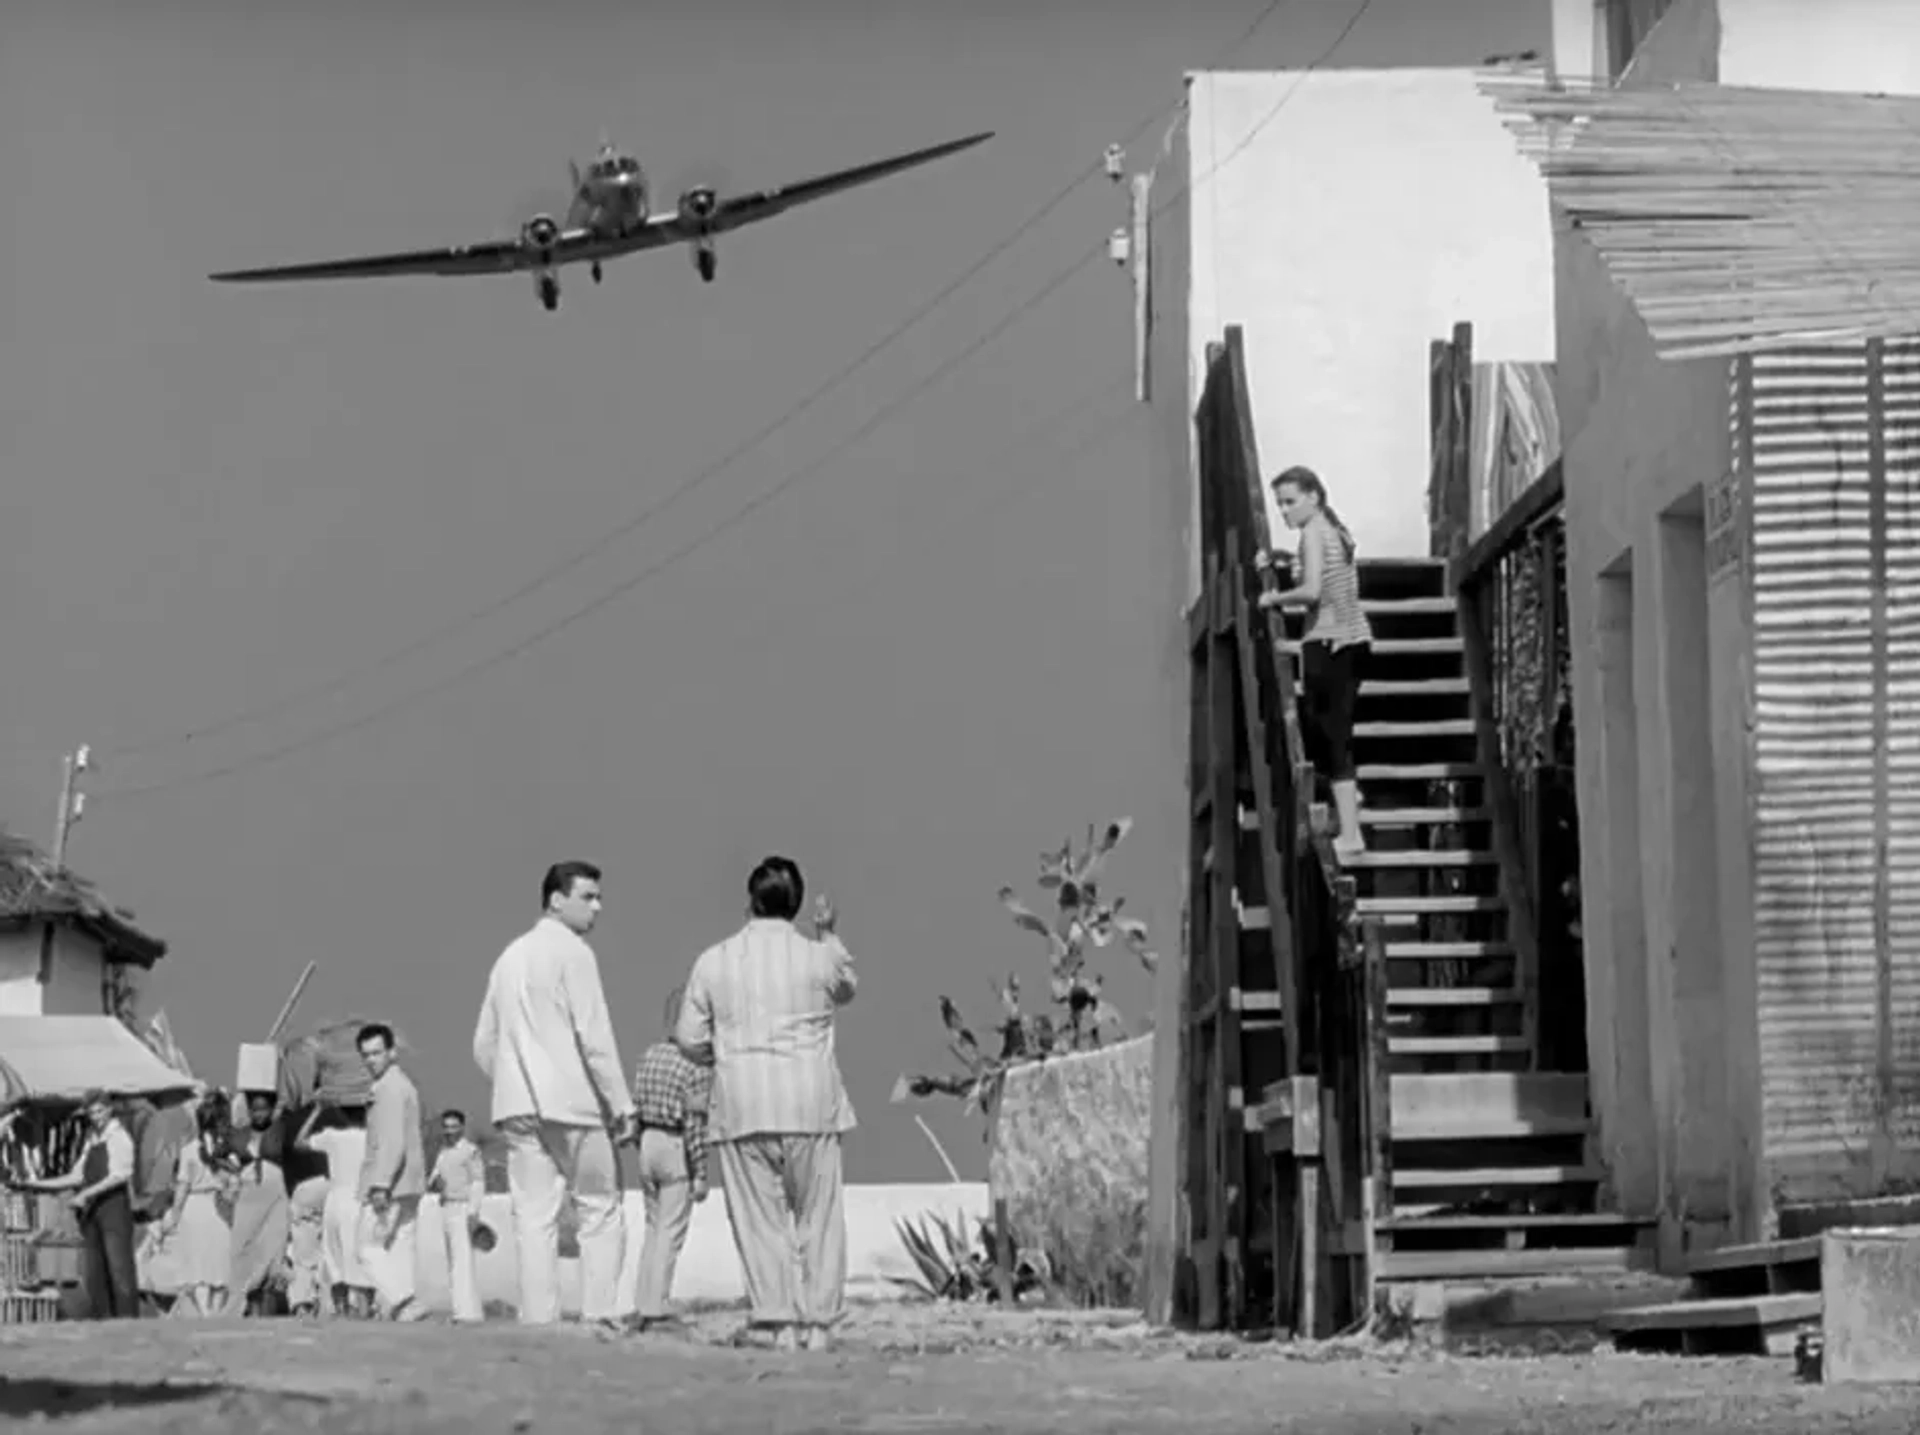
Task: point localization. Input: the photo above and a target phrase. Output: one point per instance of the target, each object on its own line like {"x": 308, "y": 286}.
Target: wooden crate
{"x": 19, "y": 1262}
{"x": 29, "y": 1307}
{"x": 59, "y": 1262}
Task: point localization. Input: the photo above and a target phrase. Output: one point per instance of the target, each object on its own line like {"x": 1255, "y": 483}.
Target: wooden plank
{"x": 1456, "y": 1045}
{"x": 1421, "y": 816}
{"x": 1502, "y": 1264}
{"x": 1390, "y": 646}
{"x": 1431, "y": 728}
{"x": 1417, "y": 771}
{"x": 1410, "y": 905}
{"x": 1480, "y": 1177}
{"x": 1463, "y": 1103}
{"x": 1225, "y": 1142}
{"x": 1572, "y": 1220}
{"x": 1727, "y": 1312}
{"x": 1415, "y": 687}
{"x": 1452, "y": 996}
{"x": 1446, "y": 951}
{"x": 1886, "y": 1070}
{"x": 1757, "y": 1256}
{"x": 1421, "y": 857}
{"x": 1389, "y": 607}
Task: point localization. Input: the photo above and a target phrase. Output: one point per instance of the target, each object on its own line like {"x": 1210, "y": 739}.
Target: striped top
{"x": 1337, "y": 619}
{"x": 763, "y": 1004}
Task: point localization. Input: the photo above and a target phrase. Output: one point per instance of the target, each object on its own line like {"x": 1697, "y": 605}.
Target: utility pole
{"x": 73, "y": 802}
{"x": 1127, "y": 247}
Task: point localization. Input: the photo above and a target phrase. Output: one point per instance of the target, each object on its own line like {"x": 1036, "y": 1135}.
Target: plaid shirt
{"x": 671, "y": 1093}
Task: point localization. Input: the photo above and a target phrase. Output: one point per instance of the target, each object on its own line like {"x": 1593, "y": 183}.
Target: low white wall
{"x": 709, "y": 1269}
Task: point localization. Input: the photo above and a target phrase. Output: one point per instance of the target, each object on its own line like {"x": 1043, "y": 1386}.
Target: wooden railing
{"x": 1313, "y": 1170}
{"x": 1510, "y": 586}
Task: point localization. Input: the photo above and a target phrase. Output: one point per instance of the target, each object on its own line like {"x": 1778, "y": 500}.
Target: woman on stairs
{"x": 1334, "y": 644}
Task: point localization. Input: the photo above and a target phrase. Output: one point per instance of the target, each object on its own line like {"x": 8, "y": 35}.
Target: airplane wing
{"x": 673, "y": 228}
{"x": 497, "y": 256}
{"x": 752, "y": 208}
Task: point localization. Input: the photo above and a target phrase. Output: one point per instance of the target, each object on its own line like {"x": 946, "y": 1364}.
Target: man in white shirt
{"x": 393, "y": 1178}
{"x": 459, "y": 1179}
{"x": 101, "y": 1187}
{"x": 760, "y": 1007}
{"x": 560, "y": 1100}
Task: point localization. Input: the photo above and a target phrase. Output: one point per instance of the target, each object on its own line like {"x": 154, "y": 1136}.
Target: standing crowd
{"x": 319, "y": 1209}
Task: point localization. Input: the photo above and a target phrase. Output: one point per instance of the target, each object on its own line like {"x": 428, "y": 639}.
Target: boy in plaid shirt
{"x": 670, "y": 1095}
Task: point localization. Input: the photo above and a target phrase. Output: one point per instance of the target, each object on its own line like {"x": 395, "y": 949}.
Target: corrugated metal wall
{"x": 1827, "y": 440}
{"x": 1900, "y": 387}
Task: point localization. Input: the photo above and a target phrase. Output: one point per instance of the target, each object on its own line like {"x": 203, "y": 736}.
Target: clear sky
{"x": 912, "y": 670}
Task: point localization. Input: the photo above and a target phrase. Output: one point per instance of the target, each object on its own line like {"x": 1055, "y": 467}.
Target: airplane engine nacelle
{"x": 697, "y": 205}
{"x": 540, "y": 231}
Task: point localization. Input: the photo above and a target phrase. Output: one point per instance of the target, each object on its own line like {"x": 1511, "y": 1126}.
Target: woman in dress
{"x": 1335, "y": 643}
{"x": 260, "y": 1211}
{"x": 340, "y": 1135}
{"x": 194, "y": 1239}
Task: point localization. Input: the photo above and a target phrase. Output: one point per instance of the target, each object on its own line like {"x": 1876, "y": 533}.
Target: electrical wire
{"x": 262, "y": 712}
{"x": 488, "y": 661}
{"x": 627, "y": 585}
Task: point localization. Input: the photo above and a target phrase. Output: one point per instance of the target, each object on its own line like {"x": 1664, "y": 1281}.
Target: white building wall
{"x": 1346, "y": 219}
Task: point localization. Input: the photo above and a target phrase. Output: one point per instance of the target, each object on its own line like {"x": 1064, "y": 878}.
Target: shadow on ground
{"x": 50, "y": 1399}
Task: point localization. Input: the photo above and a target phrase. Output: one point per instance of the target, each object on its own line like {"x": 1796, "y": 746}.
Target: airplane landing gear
{"x": 707, "y": 262}
{"x": 595, "y": 271}
{"x": 549, "y": 292}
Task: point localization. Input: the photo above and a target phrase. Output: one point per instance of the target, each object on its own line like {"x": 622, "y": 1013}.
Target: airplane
{"x": 608, "y": 216}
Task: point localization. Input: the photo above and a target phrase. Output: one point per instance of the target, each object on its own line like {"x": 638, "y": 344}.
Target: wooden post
{"x": 1142, "y": 291}
{"x": 1002, "y": 1252}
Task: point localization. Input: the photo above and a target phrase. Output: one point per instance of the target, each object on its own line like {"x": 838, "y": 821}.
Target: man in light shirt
{"x": 560, "y": 1100}
{"x": 760, "y": 1007}
{"x": 393, "y": 1178}
{"x": 459, "y": 1180}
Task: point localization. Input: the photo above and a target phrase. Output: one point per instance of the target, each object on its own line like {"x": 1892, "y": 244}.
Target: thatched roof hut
{"x": 33, "y": 889}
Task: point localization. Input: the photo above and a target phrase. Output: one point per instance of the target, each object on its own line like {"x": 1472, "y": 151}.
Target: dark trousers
{"x": 106, "y": 1231}
{"x": 1329, "y": 693}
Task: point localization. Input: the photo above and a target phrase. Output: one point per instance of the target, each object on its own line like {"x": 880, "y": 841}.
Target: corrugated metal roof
{"x": 32, "y": 889}
{"x": 65, "y": 1057}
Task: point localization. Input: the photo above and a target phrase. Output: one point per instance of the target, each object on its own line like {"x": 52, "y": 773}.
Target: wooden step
{"x": 1373, "y": 906}
{"x": 1422, "y": 816}
{"x": 1415, "y": 688}
{"x": 1416, "y": 771}
{"x": 1436, "y": 728}
{"x": 1447, "y": 951}
{"x": 1482, "y": 1178}
{"x": 1417, "y": 857}
{"x": 1388, "y": 647}
{"x": 1452, "y": 996}
{"x": 1502, "y": 1264}
{"x": 1740, "y": 1325}
{"x": 1387, "y": 607}
{"x": 1453, "y": 1106}
{"x": 1757, "y": 1256}
{"x": 1456, "y": 1045}
{"x": 1572, "y": 1220}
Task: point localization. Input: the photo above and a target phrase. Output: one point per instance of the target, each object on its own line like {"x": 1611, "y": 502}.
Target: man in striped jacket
{"x": 760, "y": 1008}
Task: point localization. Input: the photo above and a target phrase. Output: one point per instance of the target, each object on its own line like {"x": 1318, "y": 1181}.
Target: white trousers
{"x": 548, "y": 1161}
{"x": 461, "y": 1283}
{"x": 389, "y": 1246}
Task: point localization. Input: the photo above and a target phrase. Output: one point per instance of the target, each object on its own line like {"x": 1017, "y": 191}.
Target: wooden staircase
{"x": 1741, "y": 1300}
{"x": 1492, "y": 1169}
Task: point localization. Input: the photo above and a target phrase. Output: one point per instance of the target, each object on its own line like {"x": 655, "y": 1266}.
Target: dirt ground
{"x": 896, "y": 1369}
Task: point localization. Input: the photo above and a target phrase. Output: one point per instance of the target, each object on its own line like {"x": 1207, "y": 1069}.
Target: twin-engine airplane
{"x": 607, "y": 217}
